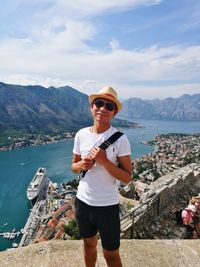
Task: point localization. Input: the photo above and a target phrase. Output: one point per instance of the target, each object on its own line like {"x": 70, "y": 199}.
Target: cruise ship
{"x": 36, "y": 184}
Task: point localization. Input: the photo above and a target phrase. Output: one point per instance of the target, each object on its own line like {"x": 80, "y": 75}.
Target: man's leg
{"x": 108, "y": 224}
{"x": 90, "y": 251}
{"x": 112, "y": 258}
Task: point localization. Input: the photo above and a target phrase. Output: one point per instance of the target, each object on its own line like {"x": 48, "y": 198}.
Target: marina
{"x": 49, "y": 203}
{"x": 11, "y": 235}
{"x": 47, "y": 214}
{"x": 36, "y": 194}
{"x": 36, "y": 212}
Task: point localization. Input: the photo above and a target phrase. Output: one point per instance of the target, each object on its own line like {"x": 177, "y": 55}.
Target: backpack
{"x": 178, "y": 214}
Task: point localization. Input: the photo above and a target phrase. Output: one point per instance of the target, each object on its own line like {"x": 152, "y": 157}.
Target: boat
{"x": 15, "y": 245}
{"x": 36, "y": 184}
{"x": 5, "y": 224}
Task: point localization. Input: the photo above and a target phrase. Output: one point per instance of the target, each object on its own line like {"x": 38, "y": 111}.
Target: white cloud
{"x": 64, "y": 36}
{"x": 91, "y": 7}
{"x": 90, "y": 86}
{"x": 43, "y": 11}
{"x": 88, "y": 69}
{"x": 57, "y": 52}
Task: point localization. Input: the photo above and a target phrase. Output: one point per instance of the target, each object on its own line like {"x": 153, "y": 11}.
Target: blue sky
{"x": 143, "y": 48}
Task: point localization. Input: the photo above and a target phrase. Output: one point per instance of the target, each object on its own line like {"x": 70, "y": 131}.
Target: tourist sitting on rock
{"x": 196, "y": 218}
{"x": 187, "y": 216}
{"x": 196, "y": 202}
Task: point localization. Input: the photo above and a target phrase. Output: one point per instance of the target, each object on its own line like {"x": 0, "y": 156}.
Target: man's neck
{"x": 97, "y": 128}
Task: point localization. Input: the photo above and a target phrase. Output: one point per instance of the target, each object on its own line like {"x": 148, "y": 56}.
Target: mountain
{"x": 185, "y": 107}
{"x": 35, "y": 109}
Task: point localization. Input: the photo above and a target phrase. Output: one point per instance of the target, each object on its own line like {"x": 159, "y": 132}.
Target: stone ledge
{"x": 134, "y": 253}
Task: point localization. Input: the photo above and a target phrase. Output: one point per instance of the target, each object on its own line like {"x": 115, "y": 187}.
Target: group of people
{"x": 191, "y": 217}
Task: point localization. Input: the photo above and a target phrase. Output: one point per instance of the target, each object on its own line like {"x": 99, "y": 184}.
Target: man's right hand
{"x": 86, "y": 163}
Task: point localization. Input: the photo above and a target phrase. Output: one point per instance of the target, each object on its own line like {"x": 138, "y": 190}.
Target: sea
{"x": 19, "y": 166}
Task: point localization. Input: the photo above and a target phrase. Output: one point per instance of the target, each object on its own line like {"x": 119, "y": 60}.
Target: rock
{"x": 134, "y": 253}
{"x": 164, "y": 232}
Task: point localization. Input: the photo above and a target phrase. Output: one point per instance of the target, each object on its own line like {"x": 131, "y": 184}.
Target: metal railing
{"x": 128, "y": 221}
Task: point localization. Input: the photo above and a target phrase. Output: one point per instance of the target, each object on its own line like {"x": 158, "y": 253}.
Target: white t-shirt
{"x": 98, "y": 187}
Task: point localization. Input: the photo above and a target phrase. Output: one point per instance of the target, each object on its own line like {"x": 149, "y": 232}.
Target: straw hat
{"x": 109, "y": 93}
{"x": 192, "y": 208}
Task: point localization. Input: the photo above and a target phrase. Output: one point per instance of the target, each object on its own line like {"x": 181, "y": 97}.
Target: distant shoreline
{"x": 38, "y": 139}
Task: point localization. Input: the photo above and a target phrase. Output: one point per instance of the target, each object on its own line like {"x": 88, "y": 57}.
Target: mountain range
{"x": 185, "y": 107}
{"x": 36, "y": 109}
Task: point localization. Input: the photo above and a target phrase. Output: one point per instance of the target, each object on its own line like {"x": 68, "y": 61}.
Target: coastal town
{"x": 50, "y": 215}
{"x": 34, "y": 140}
{"x": 172, "y": 151}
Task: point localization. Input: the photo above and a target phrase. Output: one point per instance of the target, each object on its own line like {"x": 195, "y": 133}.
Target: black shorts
{"x": 104, "y": 220}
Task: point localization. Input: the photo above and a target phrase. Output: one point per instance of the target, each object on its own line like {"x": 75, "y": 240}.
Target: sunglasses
{"x": 109, "y": 106}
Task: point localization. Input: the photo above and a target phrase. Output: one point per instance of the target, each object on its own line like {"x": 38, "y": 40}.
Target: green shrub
{"x": 72, "y": 229}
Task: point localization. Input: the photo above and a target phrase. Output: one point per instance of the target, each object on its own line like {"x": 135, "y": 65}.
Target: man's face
{"x": 103, "y": 109}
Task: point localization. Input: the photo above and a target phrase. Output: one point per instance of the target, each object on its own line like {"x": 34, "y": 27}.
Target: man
{"x": 97, "y": 202}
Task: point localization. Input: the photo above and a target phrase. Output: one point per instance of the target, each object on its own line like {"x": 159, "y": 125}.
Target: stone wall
{"x": 162, "y": 198}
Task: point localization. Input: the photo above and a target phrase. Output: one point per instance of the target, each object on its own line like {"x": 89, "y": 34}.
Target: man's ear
{"x": 91, "y": 106}
{"x": 115, "y": 112}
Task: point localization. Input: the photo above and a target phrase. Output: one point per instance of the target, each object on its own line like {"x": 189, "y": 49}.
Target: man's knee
{"x": 111, "y": 256}
{"x": 90, "y": 242}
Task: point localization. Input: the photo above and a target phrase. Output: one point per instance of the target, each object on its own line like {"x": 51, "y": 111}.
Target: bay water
{"x": 19, "y": 166}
